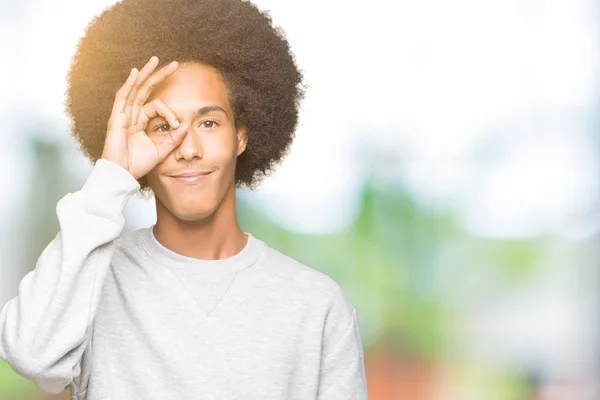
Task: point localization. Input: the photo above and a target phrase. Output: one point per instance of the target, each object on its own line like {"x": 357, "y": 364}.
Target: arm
{"x": 342, "y": 373}
{"x": 45, "y": 328}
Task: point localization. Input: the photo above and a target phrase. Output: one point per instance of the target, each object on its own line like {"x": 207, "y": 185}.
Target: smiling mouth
{"x": 195, "y": 178}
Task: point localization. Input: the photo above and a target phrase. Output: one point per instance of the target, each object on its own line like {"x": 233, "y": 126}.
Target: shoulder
{"x": 129, "y": 244}
{"x": 308, "y": 291}
{"x": 127, "y": 237}
{"x": 305, "y": 282}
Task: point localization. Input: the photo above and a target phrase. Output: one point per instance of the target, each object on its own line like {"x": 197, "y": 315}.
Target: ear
{"x": 242, "y": 139}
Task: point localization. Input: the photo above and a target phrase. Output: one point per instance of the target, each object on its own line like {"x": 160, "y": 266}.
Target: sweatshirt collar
{"x": 247, "y": 257}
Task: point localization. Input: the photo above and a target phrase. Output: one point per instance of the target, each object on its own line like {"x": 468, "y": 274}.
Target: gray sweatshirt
{"x": 117, "y": 316}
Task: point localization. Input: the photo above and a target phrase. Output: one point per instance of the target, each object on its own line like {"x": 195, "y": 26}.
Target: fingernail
{"x": 175, "y": 124}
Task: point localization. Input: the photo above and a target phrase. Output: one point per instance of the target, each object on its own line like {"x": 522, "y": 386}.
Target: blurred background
{"x": 445, "y": 173}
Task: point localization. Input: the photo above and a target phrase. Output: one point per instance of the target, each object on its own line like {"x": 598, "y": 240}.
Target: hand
{"x": 126, "y": 143}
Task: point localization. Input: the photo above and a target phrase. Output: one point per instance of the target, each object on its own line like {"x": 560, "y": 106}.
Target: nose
{"x": 190, "y": 147}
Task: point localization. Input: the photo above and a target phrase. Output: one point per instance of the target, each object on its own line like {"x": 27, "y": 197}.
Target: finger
{"x": 171, "y": 141}
{"x": 144, "y": 92}
{"x": 157, "y": 108}
{"x": 123, "y": 92}
{"x": 142, "y": 76}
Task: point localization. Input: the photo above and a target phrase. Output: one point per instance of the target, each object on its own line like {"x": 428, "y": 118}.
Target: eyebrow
{"x": 207, "y": 109}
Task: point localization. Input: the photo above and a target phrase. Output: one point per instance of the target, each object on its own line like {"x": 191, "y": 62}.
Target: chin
{"x": 192, "y": 213}
{"x": 193, "y": 218}
{"x": 191, "y": 204}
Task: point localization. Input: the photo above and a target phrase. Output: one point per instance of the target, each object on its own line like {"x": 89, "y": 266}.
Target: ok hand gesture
{"x": 127, "y": 144}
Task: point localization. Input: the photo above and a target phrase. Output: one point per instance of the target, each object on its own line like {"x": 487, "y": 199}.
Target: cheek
{"x": 221, "y": 148}
{"x": 151, "y": 178}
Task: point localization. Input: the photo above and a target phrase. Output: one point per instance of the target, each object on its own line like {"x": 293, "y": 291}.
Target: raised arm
{"x": 45, "y": 329}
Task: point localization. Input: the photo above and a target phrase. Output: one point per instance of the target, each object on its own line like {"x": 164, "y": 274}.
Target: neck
{"x": 215, "y": 238}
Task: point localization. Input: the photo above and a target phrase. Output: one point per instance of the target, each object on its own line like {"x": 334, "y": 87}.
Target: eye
{"x": 162, "y": 128}
{"x": 208, "y": 123}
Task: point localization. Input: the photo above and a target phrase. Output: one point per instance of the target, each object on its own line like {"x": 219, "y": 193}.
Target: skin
{"x": 156, "y": 130}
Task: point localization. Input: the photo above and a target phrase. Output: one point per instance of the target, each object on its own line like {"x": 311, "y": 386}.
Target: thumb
{"x": 171, "y": 141}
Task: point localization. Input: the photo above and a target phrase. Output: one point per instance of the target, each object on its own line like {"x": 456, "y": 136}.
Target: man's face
{"x": 198, "y": 96}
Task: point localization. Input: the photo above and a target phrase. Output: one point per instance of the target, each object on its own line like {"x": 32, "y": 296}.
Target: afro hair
{"x": 264, "y": 84}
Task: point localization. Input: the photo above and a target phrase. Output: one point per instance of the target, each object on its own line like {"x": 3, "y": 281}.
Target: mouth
{"x": 192, "y": 178}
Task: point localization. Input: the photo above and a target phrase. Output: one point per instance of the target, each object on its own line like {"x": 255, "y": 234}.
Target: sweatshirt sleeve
{"x": 342, "y": 374}
{"x": 45, "y": 328}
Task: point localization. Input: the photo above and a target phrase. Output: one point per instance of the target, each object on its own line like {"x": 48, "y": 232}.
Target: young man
{"x": 191, "y": 307}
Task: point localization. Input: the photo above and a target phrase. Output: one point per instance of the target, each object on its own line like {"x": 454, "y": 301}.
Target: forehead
{"x": 192, "y": 83}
